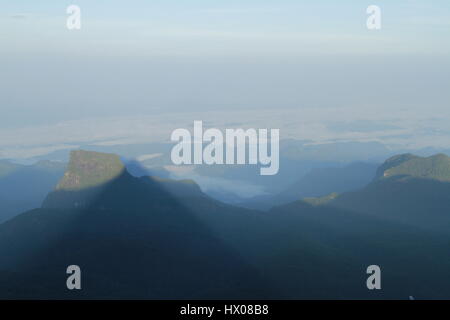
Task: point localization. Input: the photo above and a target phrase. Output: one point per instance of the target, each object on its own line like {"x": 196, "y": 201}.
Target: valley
{"x": 164, "y": 239}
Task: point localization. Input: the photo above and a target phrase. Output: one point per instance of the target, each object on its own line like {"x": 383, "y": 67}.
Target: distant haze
{"x": 134, "y": 73}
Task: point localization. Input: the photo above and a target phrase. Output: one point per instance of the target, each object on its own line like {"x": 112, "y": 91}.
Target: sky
{"x": 138, "y": 70}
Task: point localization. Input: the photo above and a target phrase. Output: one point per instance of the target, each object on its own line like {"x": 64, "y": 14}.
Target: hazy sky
{"x": 138, "y": 69}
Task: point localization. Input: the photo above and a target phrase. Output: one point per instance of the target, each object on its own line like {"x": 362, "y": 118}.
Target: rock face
{"x": 87, "y": 179}
{"x": 89, "y": 169}
{"x": 132, "y": 237}
{"x": 144, "y": 238}
{"x": 101, "y": 180}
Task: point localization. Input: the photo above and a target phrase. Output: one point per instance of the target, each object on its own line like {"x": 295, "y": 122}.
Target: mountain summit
{"x": 147, "y": 238}
{"x": 436, "y": 167}
{"x": 101, "y": 180}
{"x": 89, "y": 169}
{"x": 133, "y": 237}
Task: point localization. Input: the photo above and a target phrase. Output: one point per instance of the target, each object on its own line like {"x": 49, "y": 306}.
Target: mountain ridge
{"x": 135, "y": 239}
{"x": 433, "y": 167}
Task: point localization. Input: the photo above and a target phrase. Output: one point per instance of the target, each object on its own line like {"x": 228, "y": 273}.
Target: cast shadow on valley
{"x": 132, "y": 238}
{"x": 154, "y": 238}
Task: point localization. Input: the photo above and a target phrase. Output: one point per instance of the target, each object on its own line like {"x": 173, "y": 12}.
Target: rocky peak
{"x": 89, "y": 169}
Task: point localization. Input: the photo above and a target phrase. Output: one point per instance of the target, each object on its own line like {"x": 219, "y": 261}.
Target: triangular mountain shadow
{"x": 131, "y": 239}
{"x": 137, "y": 169}
{"x": 137, "y": 238}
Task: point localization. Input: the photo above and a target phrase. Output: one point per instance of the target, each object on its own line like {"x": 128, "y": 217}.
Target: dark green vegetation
{"x": 435, "y": 167}
{"x": 319, "y": 182}
{"x": 408, "y": 189}
{"x": 159, "y": 238}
